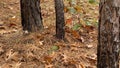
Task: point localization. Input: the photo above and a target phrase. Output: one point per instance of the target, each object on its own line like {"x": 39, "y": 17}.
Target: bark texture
{"x": 108, "y": 36}
{"x": 31, "y": 15}
{"x": 60, "y": 22}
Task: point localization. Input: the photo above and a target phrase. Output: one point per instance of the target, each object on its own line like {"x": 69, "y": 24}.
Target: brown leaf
{"x": 89, "y": 28}
{"x": 81, "y": 65}
{"x": 78, "y": 8}
{"x": 2, "y": 28}
{"x": 66, "y": 9}
{"x": 48, "y": 59}
{"x": 69, "y": 21}
{"x": 12, "y": 25}
{"x": 76, "y": 34}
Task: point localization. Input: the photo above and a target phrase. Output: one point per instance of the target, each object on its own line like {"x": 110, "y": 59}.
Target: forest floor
{"x": 43, "y": 50}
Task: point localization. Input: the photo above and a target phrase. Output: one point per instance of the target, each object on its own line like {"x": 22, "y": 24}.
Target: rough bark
{"x": 60, "y": 23}
{"x": 31, "y": 15}
{"x": 108, "y": 36}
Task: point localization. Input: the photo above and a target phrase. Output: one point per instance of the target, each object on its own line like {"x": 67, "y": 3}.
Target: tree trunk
{"x": 60, "y": 23}
{"x": 108, "y": 36}
{"x": 31, "y": 15}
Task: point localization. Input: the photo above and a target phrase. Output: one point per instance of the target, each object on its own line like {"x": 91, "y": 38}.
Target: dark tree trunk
{"x": 108, "y": 36}
{"x": 60, "y": 23}
{"x": 31, "y": 15}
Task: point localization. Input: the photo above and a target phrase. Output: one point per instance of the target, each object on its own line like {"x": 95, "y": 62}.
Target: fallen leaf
{"x": 81, "y": 65}
{"x": 12, "y": 25}
{"x": 66, "y": 9}
{"x": 2, "y": 28}
{"x": 69, "y": 21}
{"x": 89, "y": 46}
{"x": 48, "y": 59}
{"x": 76, "y": 34}
{"x": 41, "y": 42}
{"x": 54, "y": 48}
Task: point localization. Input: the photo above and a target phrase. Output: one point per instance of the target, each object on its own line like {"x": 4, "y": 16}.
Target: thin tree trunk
{"x": 31, "y": 15}
{"x": 108, "y": 36}
{"x": 60, "y": 22}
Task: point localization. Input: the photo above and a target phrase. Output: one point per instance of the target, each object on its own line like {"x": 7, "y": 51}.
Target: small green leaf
{"x": 96, "y": 24}
{"x": 88, "y": 23}
{"x": 76, "y": 27}
{"x": 72, "y": 10}
{"x": 92, "y": 1}
{"x": 54, "y": 48}
{"x": 73, "y": 2}
{"x": 50, "y": 51}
